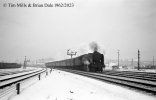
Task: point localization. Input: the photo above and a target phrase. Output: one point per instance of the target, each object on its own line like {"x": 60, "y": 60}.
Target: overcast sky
{"x": 127, "y": 25}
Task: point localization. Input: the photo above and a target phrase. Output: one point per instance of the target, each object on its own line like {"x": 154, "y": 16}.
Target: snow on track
{"x": 61, "y": 85}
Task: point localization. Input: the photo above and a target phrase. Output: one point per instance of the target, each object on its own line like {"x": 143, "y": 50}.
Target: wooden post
{"x": 18, "y": 88}
{"x": 39, "y": 76}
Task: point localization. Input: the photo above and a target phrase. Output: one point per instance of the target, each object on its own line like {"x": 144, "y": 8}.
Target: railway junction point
{"x": 60, "y": 85}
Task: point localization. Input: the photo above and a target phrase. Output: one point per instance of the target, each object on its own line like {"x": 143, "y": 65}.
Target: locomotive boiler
{"x": 93, "y": 62}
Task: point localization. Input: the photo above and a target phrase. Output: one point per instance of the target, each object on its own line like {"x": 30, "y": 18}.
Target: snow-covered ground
{"x": 10, "y": 69}
{"x": 61, "y": 85}
{"x": 15, "y": 69}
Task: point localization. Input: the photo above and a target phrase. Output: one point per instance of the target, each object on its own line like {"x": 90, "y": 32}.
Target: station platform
{"x": 60, "y": 85}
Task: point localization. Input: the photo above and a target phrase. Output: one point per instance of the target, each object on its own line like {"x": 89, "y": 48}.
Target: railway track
{"x": 4, "y": 73}
{"x": 142, "y": 81}
{"x": 136, "y": 75}
{"x": 14, "y": 83}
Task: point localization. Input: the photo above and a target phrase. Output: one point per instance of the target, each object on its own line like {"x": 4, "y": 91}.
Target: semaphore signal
{"x": 71, "y": 53}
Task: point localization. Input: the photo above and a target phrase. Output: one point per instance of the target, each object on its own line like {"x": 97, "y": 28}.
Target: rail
{"x": 12, "y": 84}
{"x": 139, "y": 84}
{"x": 11, "y": 72}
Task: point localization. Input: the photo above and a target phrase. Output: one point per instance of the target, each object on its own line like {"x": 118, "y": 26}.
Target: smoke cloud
{"x": 94, "y": 46}
{"x": 85, "y": 48}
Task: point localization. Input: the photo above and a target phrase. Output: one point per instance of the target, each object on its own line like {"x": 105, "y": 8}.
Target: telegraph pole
{"x": 132, "y": 62}
{"x": 118, "y": 57}
{"x": 153, "y": 60}
{"x": 25, "y": 61}
{"x": 138, "y": 60}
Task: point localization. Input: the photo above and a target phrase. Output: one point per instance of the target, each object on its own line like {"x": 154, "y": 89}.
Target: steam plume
{"x": 94, "y": 46}
{"x": 85, "y": 48}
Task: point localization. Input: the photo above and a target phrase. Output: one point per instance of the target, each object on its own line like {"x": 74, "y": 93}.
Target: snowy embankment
{"x": 61, "y": 85}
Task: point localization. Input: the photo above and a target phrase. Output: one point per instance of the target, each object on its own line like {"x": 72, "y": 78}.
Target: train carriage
{"x": 87, "y": 62}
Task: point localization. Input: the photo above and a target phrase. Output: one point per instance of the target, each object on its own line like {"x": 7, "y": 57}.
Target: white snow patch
{"x": 61, "y": 85}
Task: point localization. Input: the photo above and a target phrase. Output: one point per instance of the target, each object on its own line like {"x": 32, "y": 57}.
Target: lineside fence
{"x": 14, "y": 84}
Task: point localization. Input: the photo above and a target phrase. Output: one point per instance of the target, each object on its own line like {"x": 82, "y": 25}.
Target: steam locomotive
{"x": 92, "y": 62}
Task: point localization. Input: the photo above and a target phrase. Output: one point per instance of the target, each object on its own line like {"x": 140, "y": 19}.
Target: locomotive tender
{"x": 93, "y": 62}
